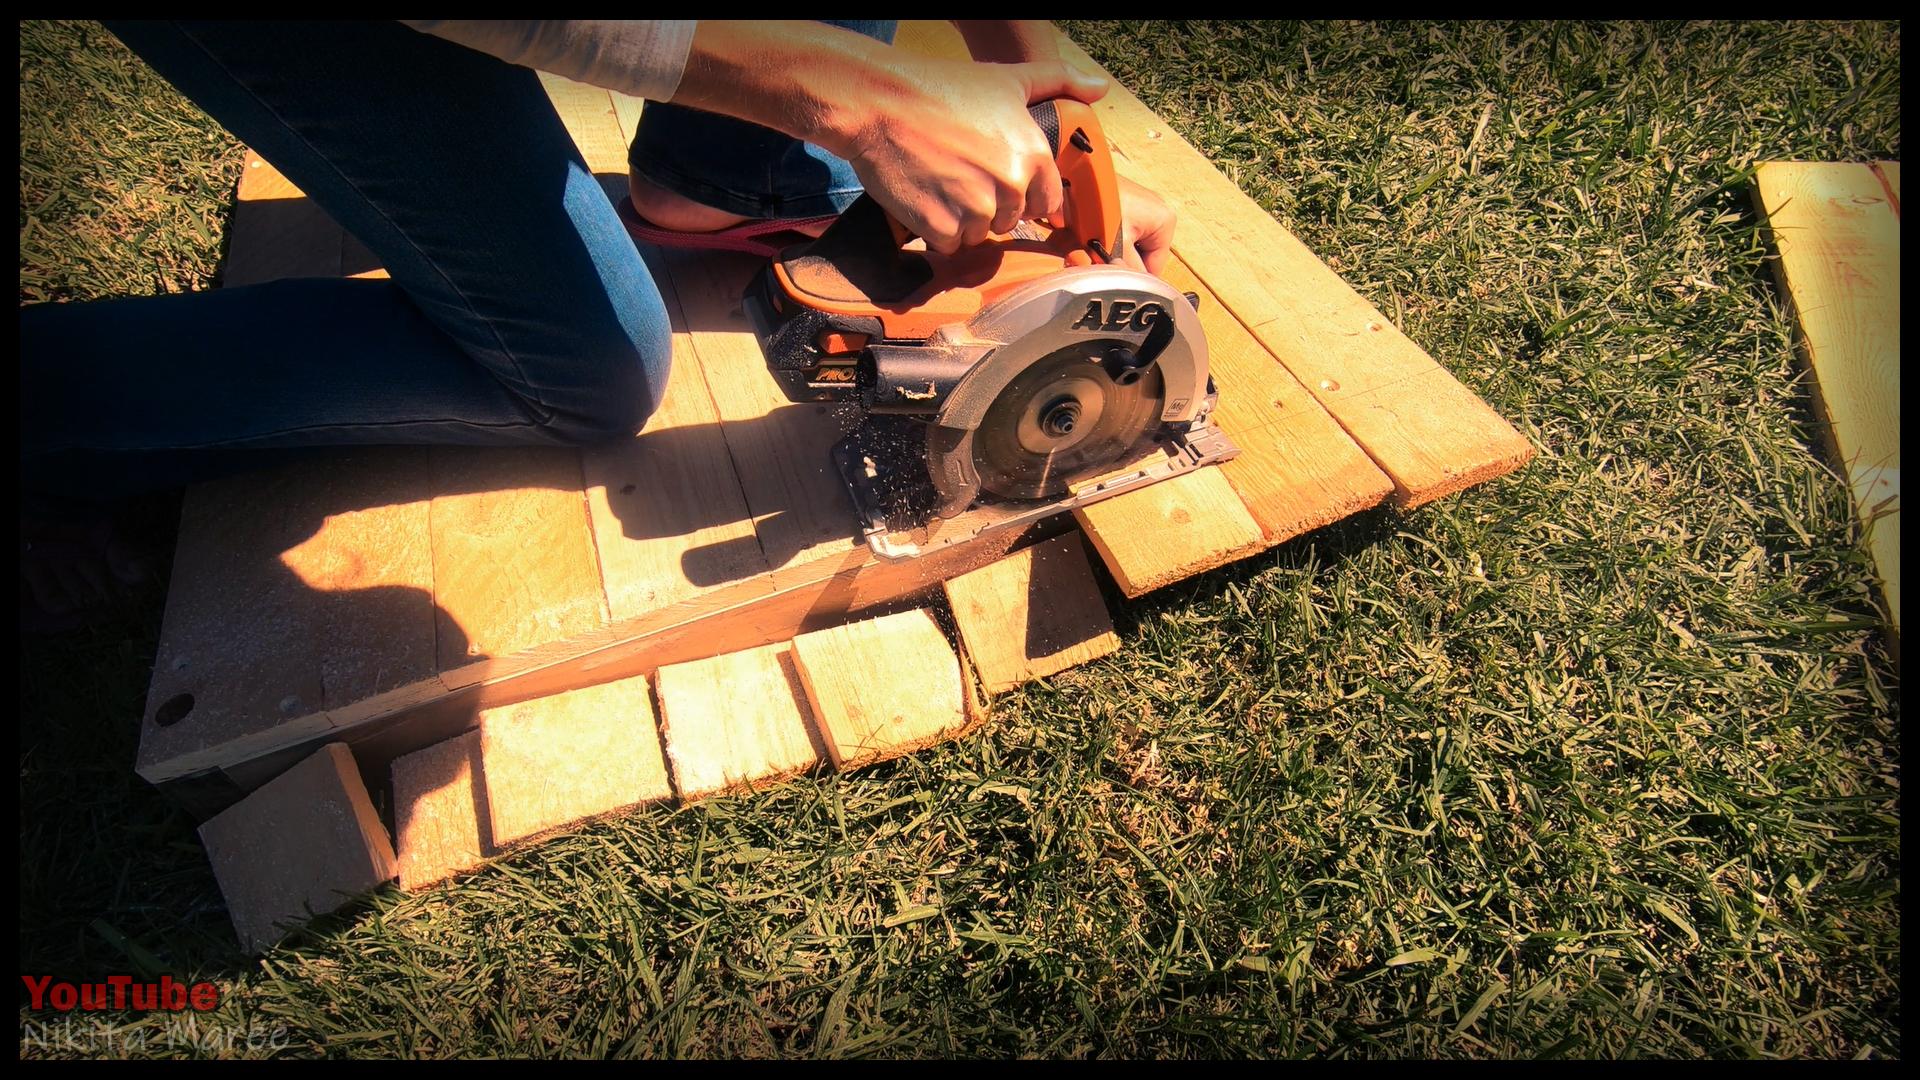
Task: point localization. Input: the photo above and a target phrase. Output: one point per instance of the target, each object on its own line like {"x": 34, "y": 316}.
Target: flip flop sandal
{"x": 763, "y": 238}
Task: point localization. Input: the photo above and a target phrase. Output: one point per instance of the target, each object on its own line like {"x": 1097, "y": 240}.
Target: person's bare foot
{"x": 672, "y": 210}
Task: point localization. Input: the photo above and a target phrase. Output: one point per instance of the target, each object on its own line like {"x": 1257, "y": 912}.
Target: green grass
{"x": 1598, "y": 760}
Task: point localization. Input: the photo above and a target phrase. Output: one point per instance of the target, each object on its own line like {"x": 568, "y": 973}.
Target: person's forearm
{"x": 1008, "y": 41}
{"x": 639, "y": 57}
{"x": 806, "y": 79}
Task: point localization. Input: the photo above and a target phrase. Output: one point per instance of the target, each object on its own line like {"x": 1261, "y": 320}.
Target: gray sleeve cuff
{"x": 643, "y": 58}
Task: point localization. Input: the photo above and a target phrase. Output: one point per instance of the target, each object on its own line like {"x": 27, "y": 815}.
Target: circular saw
{"x": 1011, "y": 380}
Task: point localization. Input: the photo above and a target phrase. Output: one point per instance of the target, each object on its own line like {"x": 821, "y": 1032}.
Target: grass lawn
{"x": 1598, "y": 760}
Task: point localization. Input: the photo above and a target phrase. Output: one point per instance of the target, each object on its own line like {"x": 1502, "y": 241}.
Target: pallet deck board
{"x": 723, "y": 526}
{"x": 670, "y": 521}
{"x": 514, "y": 564}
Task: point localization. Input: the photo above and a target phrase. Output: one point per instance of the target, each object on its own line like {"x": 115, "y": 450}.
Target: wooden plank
{"x": 736, "y": 721}
{"x": 931, "y": 37}
{"x": 1171, "y": 530}
{"x": 762, "y": 610}
{"x": 626, "y": 110}
{"x": 1889, "y": 173}
{"x": 781, "y": 449}
{"x": 1032, "y": 614}
{"x": 1297, "y": 469}
{"x": 260, "y": 182}
{"x": 669, "y": 518}
{"x": 1428, "y": 432}
{"x": 336, "y": 598}
{"x": 440, "y": 821}
{"x": 1839, "y": 264}
{"x": 560, "y": 760}
{"x": 513, "y": 558}
{"x": 240, "y": 647}
{"x": 370, "y": 561}
{"x": 305, "y": 844}
{"x": 588, "y": 113}
{"x": 881, "y": 688}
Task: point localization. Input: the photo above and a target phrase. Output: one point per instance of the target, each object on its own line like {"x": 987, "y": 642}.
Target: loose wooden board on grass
{"x": 1837, "y": 228}
{"x": 302, "y": 845}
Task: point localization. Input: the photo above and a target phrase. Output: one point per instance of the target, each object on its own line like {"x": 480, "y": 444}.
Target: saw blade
{"x": 1060, "y": 420}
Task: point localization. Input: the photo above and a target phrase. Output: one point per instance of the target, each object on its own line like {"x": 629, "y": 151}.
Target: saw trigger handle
{"x": 1090, "y": 200}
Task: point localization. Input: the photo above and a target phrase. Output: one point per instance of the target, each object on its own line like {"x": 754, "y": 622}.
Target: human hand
{"x": 1146, "y": 228}
{"x": 948, "y": 148}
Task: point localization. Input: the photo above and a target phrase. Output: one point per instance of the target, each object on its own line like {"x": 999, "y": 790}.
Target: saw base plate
{"x": 884, "y": 468}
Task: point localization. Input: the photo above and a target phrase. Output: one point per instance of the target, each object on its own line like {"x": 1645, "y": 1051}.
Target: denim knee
{"x": 623, "y": 379}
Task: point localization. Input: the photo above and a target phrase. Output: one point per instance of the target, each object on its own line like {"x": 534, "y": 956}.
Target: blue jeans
{"x": 518, "y": 311}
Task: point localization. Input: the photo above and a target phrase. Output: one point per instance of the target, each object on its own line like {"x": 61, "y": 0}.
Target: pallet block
{"x": 554, "y": 761}
{"x": 882, "y": 688}
{"x": 303, "y": 845}
{"x": 1032, "y": 614}
{"x": 736, "y": 721}
{"x": 441, "y": 826}
{"x": 528, "y": 770}
{"x": 394, "y": 596}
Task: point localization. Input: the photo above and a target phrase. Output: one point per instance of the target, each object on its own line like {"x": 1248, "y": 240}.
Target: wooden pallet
{"x": 384, "y": 597}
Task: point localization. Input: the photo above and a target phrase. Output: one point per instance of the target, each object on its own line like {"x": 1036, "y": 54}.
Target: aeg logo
{"x": 1118, "y": 315}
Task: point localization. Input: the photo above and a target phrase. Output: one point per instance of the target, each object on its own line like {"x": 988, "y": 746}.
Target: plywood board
{"x": 1839, "y": 243}
{"x": 1032, "y": 614}
{"x": 736, "y": 720}
{"x": 881, "y": 688}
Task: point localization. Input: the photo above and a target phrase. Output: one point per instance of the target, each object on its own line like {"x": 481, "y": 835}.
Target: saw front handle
{"x": 1090, "y": 202}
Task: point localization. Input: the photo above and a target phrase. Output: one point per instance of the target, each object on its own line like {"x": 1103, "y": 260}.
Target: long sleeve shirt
{"x": 643, "y": 58}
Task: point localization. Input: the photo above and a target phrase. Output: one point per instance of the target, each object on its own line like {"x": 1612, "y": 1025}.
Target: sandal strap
{"x": 744, "y": 237}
